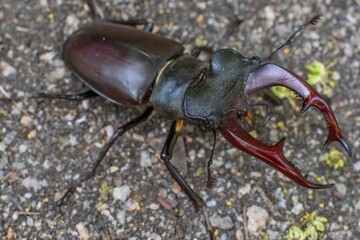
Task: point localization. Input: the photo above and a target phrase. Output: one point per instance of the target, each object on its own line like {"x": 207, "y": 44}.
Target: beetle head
{"x": 220, "y": 89}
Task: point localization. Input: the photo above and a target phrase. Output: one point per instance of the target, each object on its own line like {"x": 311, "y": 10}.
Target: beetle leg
{"x": 166, "y": 155}
{"x": 211, "y": 180}
{"x": 268, "y": 111}
{"x": 95, "y": 9}
{"x": 268, "y": 75}
{"x": 197, "y": 50}
{"x": 148, "y": 26}
{"x": 272, "y": 155}
{"x": 77, "y": 97}
{"x": 119, "y": 132}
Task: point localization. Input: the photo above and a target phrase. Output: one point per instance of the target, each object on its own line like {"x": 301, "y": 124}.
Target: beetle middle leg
{"x": 119, "y": 132}
{"x": 196, "y": 51}
{"x": 210, "y": 179}
{"x": 166, "y": 155}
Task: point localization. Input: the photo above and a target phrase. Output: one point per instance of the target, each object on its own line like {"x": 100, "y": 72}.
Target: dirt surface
{"x": 45, "y": 144}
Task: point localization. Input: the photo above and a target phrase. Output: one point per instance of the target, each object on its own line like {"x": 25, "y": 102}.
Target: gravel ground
{"x": 44, "y": 144}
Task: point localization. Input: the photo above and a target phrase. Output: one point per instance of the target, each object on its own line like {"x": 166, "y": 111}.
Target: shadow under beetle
{"x": 135, "y": 67}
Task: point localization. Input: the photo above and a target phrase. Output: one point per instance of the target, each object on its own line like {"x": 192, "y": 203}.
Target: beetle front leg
{"x": 119, "y": 132}
{"x": 166, "y": 155}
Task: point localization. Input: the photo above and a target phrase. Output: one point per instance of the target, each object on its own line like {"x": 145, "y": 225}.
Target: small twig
{"x": 28, "y": 213}
{"x": 246, "y": 230}
{"x": 12, "y": 100}
{"x": 207, "y": 221}
{"x": 5, "y": 93}
{"x": 268, "y": 202}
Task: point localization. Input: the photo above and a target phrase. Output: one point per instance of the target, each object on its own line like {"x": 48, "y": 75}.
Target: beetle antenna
{"x": 312, "y": 21}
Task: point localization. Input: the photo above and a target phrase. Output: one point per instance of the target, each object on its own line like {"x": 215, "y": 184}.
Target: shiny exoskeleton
{"x": 135, "y": 67}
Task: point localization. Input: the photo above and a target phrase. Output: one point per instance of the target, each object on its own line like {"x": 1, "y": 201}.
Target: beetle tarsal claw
{"x": 268, "y": 75}
{"x": 270, "y": 154}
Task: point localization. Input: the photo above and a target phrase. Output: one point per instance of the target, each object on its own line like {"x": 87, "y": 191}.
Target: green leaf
{"x": 295, "y": 233}
{"x": 319, "y": 226}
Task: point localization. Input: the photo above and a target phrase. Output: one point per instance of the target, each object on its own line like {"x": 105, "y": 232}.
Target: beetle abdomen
{"x": 119, "y": 62}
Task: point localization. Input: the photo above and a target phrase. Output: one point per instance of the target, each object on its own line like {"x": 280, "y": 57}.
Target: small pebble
{"x": 26, "y": 121}
{"x": 176, "y": 188}
{"x": 15, "y": 216}
{"x": 357, "y": 206}
{"x": 43, "y": 3}
{"x": 132, "y": 205}
{"x": 239, "y": 235}
{"x": 145, "y": 159}
{"x": 357, "y": 166}
{"x": 121, "y": 193}
{"x": 30, "y": 221}
{"x": 47, "y": 57}
{"x": 83, "y": 231}
{"x": 71, "y": 24}
{"x": 6, "y": 69}
{"x": 121, "y": 216}
{"x": 211, "y": 203}
{"x": 341, "y": 189}
{"x": 257, "y": 217}
{"x": 23, "y": 148}
{"x": 31, "y": 183}
{"x": 244, "y": 190}
{"x": 57, "y": 73}
{"x": 155, "y": 236}
{"x": 154, "y": 206}
{"x": 297, "y": 209}
{"x": 72, "y": 140}
{"x": 80, "y": 120}
{"x": 28, "y": 195}
{"x": 255, "y": 174}
{"x": 224, "y": 223}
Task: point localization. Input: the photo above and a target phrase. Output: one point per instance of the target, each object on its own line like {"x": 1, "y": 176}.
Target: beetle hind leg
{"x": 76, "y": 97}
{"x": 148, "y": 26}
{"x": 91, "y": 170}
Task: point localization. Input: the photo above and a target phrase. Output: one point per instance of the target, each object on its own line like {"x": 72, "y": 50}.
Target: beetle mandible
{"x": 135, "y": 67}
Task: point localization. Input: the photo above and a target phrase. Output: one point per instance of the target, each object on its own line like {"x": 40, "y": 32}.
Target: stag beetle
{"x": 134, "y": 67}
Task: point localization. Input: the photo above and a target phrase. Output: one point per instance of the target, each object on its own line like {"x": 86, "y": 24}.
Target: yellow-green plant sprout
{"x": 104, "y": 188}
{"x": 334, "y": 159}
{"x": 295, "y": 233}
{"x": 284, "y": 93}
{"x": 318, "y": 75}
{"x": 312, "y": 227}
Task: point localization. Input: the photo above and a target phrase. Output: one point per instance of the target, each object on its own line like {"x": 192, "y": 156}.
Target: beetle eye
{"x": 255, "y": 59}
